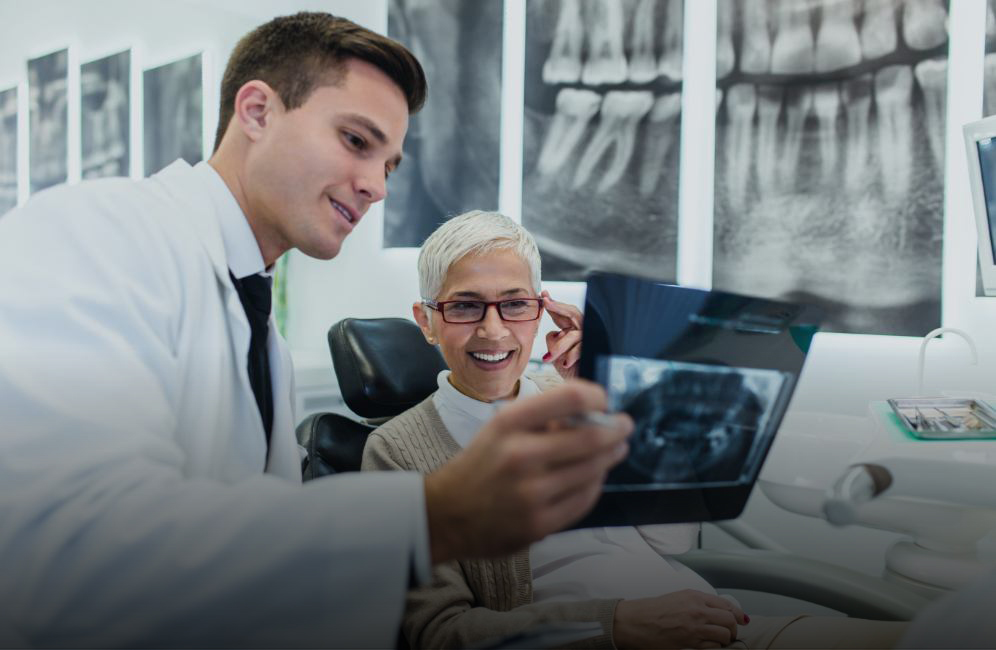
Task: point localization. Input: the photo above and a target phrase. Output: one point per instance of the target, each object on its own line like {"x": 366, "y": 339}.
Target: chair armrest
{"x": 773, "y": 572}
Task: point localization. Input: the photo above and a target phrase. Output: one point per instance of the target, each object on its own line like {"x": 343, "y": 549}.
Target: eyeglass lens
{"x": 470, "y": 311}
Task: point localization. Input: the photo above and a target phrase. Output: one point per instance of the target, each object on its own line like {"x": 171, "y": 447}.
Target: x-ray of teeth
{"x": 48, "y": 119}
{"x": 452, "y": 152}
{"x": 173, "y": 100}
{"x": 601, "y": 134}
{"x": 694, "y": 424}
{"x": 8, "y": 149}
{"x": 989, "y": 78}
{"x": 830, "y": 157}
{"x": 104, "y": 116}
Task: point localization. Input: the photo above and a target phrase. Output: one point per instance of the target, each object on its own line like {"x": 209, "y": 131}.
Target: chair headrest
{"x": 384, "y": 365}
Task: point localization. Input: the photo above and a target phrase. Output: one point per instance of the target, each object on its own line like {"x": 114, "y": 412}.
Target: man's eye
{"x": 354, "y": 140}
{"x": 464, "y": 306}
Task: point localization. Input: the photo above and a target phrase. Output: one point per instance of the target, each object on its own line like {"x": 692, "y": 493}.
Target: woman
{"x": 479, "y": 276}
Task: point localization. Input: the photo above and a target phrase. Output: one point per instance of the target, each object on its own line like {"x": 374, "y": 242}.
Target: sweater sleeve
{"x": 447, "y": 615}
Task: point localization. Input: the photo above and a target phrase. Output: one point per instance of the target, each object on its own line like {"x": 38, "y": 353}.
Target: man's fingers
{"x": 533, "y": 413}
{"x": 571, "y": 507}
{"x": 575, "y": 444}
{"x": 561, "y": 482}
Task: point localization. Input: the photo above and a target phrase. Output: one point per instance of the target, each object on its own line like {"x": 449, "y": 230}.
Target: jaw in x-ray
{"x": 695, "y": 425}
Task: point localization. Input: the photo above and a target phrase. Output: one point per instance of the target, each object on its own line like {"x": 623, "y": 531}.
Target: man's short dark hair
{"x": 295, "y": 54}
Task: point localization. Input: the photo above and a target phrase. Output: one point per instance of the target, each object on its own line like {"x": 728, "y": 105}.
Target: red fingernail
{"x": 746, "y": 619}
{"x": 547, "y": 356}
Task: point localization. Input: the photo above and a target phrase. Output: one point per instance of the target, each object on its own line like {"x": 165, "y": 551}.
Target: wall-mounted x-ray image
{"x": 8, "y": 149}
{"x": 48, "y": 122}
{"x": 104, "y": 116}
{"x": 989, "y": 80}
{"x": 693, "y": 424}
{"x": 830, "y": 157}
{"x": 452, "y": 151}
{"x": 601, "y": 135}
{"x": 173, "y": 100}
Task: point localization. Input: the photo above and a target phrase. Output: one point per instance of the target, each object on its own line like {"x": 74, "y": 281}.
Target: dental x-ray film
{"x": 706, "y": 377}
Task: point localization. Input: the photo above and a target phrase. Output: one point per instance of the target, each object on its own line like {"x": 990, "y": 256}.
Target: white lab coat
{"x": 133, "y": 505}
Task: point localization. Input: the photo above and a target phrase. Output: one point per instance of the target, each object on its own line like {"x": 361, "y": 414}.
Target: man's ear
{"x": 255, "y": 103}
{"x": 422, "y": 318}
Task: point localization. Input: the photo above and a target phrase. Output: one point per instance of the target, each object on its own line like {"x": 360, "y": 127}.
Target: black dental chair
{"x": 384, "y": 366}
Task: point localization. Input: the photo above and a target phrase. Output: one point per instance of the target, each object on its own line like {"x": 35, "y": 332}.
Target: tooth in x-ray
{"x": 856, "y": 95}
{"x": 793, "y": 49}
{"x": 932, "y": 75}
{"x": 925, "y": 23}
{"x": 643, "y": 62}
{"x": 769, "y": 104}
{"x": 741, "y": 99}
{"x": 575, "y": 108}
{"x": 659, "y": 135}
{"x": 621, "y": 113}
{"x": 755, "y": 51}
{"x": 606, "y": 62}
{"x": 837, "y": 43}
{"x": 563, "y": 65}
{"x": 725, "y": 57}
{"x": 878, "y": 29}
{"x": 669, "y": 64}
{"x": 826, "y": 104}
{"x": 798, "y": 102}
{"x": 893, "y": 97}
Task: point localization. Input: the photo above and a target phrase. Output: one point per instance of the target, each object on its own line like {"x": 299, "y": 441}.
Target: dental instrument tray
{"x": 706, "y": 377}
{"x": 945, "y": 418}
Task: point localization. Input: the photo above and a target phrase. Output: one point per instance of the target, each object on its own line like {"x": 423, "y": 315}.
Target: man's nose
{"x": 371, "y": 183}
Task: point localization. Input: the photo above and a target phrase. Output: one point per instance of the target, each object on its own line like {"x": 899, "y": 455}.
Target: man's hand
{"x": 564, "y": 346}
{"x": 683, "y": 619}
{"x": 528, "y": 473}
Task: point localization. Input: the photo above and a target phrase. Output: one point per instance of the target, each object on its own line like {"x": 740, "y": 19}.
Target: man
{"x": 149, "y": 479}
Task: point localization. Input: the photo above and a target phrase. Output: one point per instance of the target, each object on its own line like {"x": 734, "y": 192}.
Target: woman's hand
{"x": 563, "y": 348}
{"x": 683, "y": 619}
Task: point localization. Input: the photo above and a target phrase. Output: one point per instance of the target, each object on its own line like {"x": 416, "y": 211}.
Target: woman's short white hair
{"x": 475, "y": 232}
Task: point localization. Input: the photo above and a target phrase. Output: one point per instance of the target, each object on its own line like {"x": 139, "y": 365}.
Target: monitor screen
{"x": 987, "y": 165}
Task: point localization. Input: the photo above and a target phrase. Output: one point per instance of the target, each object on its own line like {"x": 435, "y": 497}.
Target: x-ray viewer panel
{"x": 695, "y": 425}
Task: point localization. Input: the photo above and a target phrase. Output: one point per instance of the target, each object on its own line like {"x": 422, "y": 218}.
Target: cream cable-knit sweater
{"x": 469, "y": 600}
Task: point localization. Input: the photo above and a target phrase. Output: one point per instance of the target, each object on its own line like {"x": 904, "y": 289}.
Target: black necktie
{"x": 254, "y": 292}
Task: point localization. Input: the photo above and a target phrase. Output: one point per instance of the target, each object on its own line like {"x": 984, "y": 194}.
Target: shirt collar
{"x": 241, "y": 248}
{"x": 472, "y": 408}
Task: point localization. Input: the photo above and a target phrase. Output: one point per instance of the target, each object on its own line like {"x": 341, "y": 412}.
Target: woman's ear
{"x": 424, "y": 322}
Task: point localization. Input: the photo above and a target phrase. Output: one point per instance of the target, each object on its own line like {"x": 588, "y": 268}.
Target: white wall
{"x": 844, "y": 373}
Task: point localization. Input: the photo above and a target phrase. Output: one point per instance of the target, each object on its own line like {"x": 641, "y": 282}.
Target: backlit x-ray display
{"x": 706, "y": 377}
{"x": 48, "y": 81}
{"x": 104, "y": 115}
{"x": 694, "y": 424}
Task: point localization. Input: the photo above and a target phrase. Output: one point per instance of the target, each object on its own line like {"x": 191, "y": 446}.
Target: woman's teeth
{"x": 491, "y": 358}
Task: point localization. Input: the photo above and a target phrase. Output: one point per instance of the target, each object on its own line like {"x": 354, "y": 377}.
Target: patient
{"x": 479, "y": 276}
